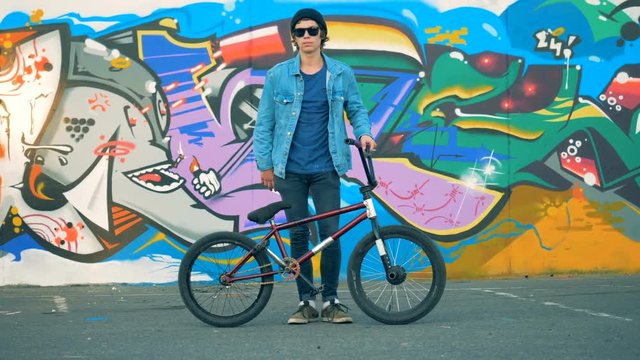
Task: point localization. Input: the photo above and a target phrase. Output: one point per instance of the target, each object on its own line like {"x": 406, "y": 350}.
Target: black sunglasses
{"x": 313, "y": 31}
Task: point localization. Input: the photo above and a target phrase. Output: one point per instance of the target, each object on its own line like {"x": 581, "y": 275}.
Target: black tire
{"x": 416, "y": 295}
{"x": 206, "y": 297}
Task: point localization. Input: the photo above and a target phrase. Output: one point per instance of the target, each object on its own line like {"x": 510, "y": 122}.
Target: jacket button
{"x": 293, "y": 113}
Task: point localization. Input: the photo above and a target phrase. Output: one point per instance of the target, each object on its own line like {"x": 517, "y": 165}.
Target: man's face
{"x": 306, "y": 42}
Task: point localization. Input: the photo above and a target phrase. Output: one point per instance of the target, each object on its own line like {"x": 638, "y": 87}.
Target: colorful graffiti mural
{"x": 508, "y": 135}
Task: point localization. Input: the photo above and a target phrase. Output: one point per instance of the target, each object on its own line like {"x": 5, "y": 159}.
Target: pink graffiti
{"x": 413, "y": 193}
{"x": 114, "y": 149}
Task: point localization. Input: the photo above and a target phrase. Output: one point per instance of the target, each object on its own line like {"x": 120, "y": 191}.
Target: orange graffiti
{"x": 12, "y": 38}
{"x": 36, "y": 16}
{"x": 194, "y": 166}
{"x": 68, "y": 234}
{"x": 37, "y": 187}
{"x": 578, "y": 193}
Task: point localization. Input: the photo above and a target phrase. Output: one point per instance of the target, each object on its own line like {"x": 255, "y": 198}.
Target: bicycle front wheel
{"x": 419, "y": 276}
{"x": 218, "y": 304}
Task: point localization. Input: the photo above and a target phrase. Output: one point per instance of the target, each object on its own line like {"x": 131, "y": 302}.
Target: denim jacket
{"x": 280, "y": 107}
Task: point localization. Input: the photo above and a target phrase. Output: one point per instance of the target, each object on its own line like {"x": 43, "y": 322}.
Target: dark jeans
{"x": 325, "y": 192}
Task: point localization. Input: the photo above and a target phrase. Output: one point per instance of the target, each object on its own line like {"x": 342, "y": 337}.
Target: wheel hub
{"x": 396, "y": 275}
{"x": 224, "y": 280}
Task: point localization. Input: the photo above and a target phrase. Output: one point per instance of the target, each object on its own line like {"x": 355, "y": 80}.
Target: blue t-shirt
{"x": 309, "y": 152}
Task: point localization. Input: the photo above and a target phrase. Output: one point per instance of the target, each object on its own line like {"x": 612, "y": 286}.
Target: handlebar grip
{"x": 356, "y": 143}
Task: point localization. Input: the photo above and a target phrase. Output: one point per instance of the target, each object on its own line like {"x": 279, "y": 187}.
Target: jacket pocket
{"x": 283, "y": 99}
{"x": 283, "y": 105}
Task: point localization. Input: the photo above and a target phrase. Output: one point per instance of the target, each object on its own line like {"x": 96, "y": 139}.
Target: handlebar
{"x": 367, "y": 164}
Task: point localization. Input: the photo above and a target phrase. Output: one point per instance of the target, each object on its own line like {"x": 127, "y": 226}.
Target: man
{"x": 300, "y": 150}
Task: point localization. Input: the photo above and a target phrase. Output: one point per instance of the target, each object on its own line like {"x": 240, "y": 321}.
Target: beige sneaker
{"x": 336, "y": 313}
{"x": 304, "y": 315}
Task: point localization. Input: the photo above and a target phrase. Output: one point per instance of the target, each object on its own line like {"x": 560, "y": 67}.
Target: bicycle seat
{"x": 265, "y": 213}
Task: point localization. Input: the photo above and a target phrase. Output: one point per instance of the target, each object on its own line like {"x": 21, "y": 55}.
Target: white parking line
{"x": 4, "y": 312}
{"x": 561, "y": 306}
{"x": 587, "y": 311}
{"x": 61, "y": 304}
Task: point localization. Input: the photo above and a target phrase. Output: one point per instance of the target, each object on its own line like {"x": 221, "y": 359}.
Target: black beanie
{"x": 309, "y": 14}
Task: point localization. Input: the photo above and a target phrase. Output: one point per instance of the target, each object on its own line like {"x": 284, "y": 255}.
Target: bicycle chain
{"x": 287, "y": 278}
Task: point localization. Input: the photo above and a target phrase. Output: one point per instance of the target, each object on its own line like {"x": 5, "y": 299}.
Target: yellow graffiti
{"x": 563, "y": 221}
{"x": 451, "y": 37}
{"x": 169, "y": 23}
{"x": 16, "y": 221}
{"x": 456, "y": 90}
{"x": 35, "y": 18}
{"x": 359, "y": 36}
{"x": 566, "y": 104}
{"x": 121, "y": 63}
{"x": 159, "y": 237}
{"x": 433, "y": 30}
{"x": 39, "y": 193}
{"x": 558, "y": 32}
{"x": 501, "y": 127}
{"x": 437, "y": 113}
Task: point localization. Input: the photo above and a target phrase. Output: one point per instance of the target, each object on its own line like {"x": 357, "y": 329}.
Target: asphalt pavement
{"x": 569, "y": 317}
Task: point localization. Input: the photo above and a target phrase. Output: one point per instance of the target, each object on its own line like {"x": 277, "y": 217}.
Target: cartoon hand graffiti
{"x": 206, "y": 183}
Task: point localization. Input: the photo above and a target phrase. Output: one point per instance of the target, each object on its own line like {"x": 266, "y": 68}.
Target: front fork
{"x": 395, "y": 274}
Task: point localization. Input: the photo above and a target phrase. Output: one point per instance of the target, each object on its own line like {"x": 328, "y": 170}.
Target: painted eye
{"x": 63, "y": 160}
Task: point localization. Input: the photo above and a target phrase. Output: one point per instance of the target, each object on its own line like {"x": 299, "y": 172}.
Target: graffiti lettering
{"x": 548, "y": 41}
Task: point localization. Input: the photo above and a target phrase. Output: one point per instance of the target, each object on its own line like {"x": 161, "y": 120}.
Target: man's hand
{"x": 367, "y": 141}
{"x": 206, "y": 183}
{"x": 267, "y": 178}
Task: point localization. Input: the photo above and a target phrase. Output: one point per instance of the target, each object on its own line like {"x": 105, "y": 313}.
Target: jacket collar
{"x": 332, "y": 65}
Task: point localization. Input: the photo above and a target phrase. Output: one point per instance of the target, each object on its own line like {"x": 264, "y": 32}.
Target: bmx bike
{"x": 395, "y": 274}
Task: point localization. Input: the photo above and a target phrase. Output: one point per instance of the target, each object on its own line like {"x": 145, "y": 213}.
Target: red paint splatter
{"x": 99, "y": 101}
{"x": 396, "y": 138}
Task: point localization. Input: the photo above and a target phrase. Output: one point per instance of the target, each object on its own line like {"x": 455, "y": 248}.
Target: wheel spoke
{"x": 408, "y": 297}
{"x": 232, "y": 303}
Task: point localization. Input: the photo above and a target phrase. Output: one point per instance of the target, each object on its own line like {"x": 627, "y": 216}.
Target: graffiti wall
{"x": 508, "y": 131}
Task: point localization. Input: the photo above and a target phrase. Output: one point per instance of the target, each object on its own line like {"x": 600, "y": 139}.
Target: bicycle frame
{"x": 369, "y": 213}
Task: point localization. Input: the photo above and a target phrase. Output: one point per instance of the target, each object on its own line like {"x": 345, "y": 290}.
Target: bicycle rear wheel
{"x": 416, "y": 290}
{"x": 203, "y": 293}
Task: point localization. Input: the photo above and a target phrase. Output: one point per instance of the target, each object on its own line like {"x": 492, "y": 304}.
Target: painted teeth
{"x": 163, "y": 169}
